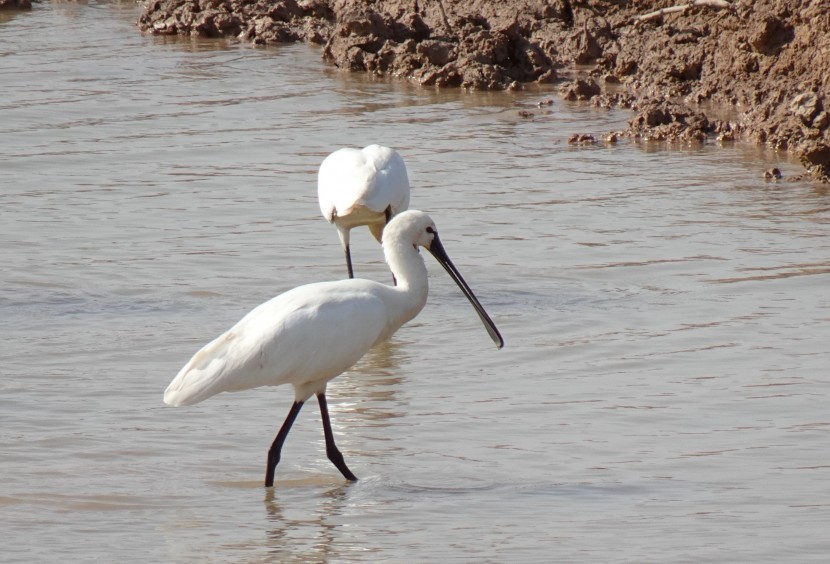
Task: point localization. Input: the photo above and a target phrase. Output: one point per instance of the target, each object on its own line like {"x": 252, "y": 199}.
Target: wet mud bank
{"x": 691, "y": 71}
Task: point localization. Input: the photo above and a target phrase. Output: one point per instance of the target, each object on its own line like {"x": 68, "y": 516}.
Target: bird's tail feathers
{"x": 201, "y": 377}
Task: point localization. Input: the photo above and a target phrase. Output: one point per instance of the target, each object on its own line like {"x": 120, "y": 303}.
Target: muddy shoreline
{"x": 765, "y": 63}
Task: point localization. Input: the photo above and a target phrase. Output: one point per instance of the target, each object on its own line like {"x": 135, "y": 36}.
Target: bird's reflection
{"x": 368, "y": 395}
{"x": 304, "y": 532}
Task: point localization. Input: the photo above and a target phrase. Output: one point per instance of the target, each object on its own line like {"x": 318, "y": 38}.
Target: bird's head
{"x": 416, "y": 228}
{"x": 412, "y": 227}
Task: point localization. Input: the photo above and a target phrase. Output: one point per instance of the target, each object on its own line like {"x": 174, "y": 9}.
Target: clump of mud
{"x": 15, "y": 5}
{"x": 691, "y": 70}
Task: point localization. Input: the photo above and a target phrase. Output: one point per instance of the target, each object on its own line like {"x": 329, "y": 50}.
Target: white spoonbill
{"x": 308, "y": 335}
{"x": 362, "y": 187}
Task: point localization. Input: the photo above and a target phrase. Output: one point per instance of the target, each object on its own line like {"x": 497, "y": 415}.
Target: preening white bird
{"x": 365, "y": 186}
{"x": 308, "y": 335}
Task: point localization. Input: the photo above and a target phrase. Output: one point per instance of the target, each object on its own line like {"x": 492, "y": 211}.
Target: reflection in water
{"x": 367, "y": 394}
{"x": 368, "y": 401}
{"x": 307, "y": 533}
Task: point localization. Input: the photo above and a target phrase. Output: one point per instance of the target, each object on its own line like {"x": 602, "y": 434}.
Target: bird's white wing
{"x": 303, "y": 337}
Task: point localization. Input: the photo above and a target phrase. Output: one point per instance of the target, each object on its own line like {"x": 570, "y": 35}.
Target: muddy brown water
{"x": 663, "y": 391}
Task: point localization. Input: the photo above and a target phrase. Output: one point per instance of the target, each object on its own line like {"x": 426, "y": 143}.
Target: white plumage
{"x": 295, "y": 338}
{"x": 365, "y": 186}
{"x": 308, "y": 335}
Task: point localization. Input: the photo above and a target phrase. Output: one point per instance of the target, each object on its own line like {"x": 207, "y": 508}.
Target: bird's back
{"x": 373, "y": 178}
{"x": 303, "y": 337}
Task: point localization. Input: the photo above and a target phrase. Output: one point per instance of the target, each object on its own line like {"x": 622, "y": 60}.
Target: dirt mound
{"x": 260, "y": 21}
{"x": 751, "y": 69}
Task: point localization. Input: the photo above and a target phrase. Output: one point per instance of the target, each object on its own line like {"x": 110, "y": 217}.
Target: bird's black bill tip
{"x": 491, "y": 328}
{"x": 497, "y": 338}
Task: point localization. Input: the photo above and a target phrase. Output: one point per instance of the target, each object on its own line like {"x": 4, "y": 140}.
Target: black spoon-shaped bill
{"x": 440, "y": 254}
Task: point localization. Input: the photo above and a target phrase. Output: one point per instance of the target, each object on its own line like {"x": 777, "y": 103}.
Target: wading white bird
{"x": 365, "y": 186}
{"x": 308, "y": 335}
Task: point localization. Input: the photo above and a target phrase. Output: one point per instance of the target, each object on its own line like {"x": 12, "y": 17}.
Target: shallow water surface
{"x": 663, "y": 391}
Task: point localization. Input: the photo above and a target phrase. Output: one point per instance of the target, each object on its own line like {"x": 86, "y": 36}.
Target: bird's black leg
{"x": 388, "y": 214}
{"x": 276, "y": 446}
{"x": 349, "y": 262}
{"x": 331, "y": 449}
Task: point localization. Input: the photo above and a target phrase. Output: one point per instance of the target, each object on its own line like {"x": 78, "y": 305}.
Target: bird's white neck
{"x": 410, "y": 272}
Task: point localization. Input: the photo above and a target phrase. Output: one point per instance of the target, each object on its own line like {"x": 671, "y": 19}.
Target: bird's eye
{"x": 430, "y": 230}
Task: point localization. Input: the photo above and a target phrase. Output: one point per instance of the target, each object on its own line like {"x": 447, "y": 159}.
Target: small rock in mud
{"x": 581, "y": 139}
{"x": 816, "y": 158}
{"x": 659, "y": 120}
{"x": 770, "y": 34}
{"x": 772, "y": 174}
{"x": 580, "y": 90}
{"x": 806, "y": 106}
